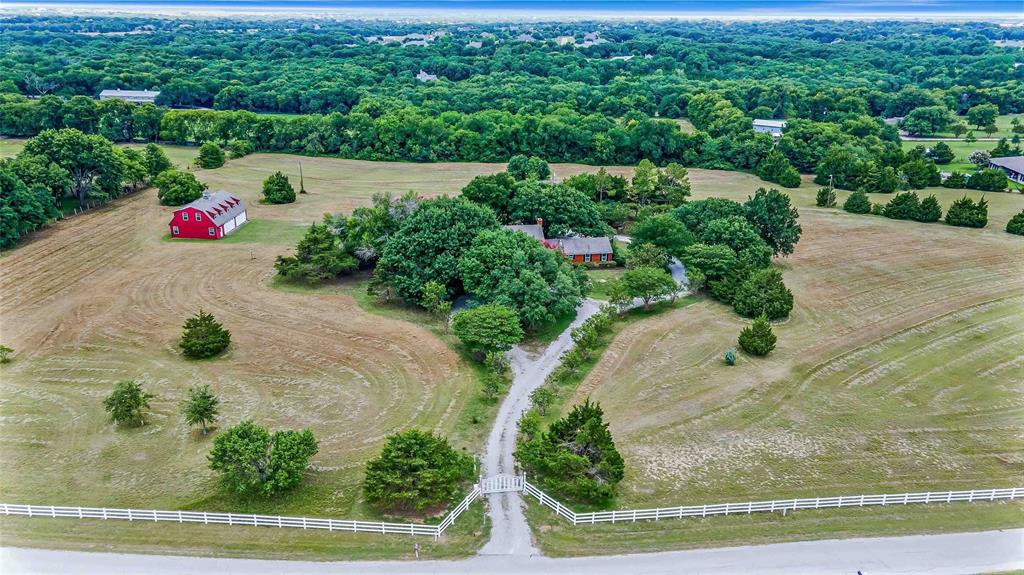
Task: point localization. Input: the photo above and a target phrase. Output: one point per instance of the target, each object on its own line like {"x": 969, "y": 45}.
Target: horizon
{"x": 546, "y": 10}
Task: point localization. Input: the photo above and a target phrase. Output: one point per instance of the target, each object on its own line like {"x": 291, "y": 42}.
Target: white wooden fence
{"x": 206, "y": 518}
{"x": 504, "y": 484}
{"x": 774, "y": 506}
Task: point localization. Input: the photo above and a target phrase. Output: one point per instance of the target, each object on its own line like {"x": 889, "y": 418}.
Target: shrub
{"x": 576, "y": 458}
{"x": 210, "y": 156}
{"x": 730, "y": 357}
{"x": 278, "y": 190}
{"x": 240, "y": 148}
{"x": 979, "y": 158}
{"x": 966, "y": 213}
{"x": 177, "y": 188}
{"x": 776, "y": 168}
{"x": 1016, "y": 224}
{"x": 415, "y": 470}
{"x": 488, "y": 328}
{"x": 318, "y": 257}
{"x": 253, "y": 461}
{"x": 955, "y": 180}
{"x": 857, "y": 203}
{"x": 203, "y": 336}
{"x": 903, "y": 206}
{"x": 929, "y": 211}
{"x": 758, "y": 338}
{"x": 989, "y": 180}
{"x": 825, "y": 198}
{"x": 5, "y": 352}
{"x": 877, "y": 209}
{"x": 941, "y": 153}
{"x": 763, "y": 293}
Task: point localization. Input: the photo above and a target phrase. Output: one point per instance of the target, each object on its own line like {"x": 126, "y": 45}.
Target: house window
{"x": 199, "y": 217}
{"x": 184, "y": 216}
{"x": 174, "y": 230}
{"x": 211, "y": 232}
{"x": 586, "y": 258}
{"x": 604, "y": 257}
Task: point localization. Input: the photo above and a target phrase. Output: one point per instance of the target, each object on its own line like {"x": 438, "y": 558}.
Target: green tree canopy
{"x": 415, "y": 470}
{"x": 253, "y": 461}
{"x": 488, "y": 328}
{"x": 1016, "y": 224}
{"x": 926, "y": 120}
{"x": 319, "y": 256}
{"x": 515, "y": 270}
{"x": 156, "y": 160}
{"x": 983, "y": 114}
{"x": 857, "y": 203}
{"x": 177, "y": 188}
{"x": 494, "y": 191}
{"x": 203, "y": 336}
{"x": 210, "y": 156}
{"x": 698, "y": 214}
{"x": 201, "y": 407}
{"x": 278, "y": 190}
{"x": 763, "y": 292}
{"x": 127, "y": 403}
{"x": 430, "y": 242}
{"x": 776, "y": 168}
{"x": 576, "y": 457}
{"x": 775, "y": 219}
{"x": 967, "y": 213}
{"x": 758, "y": 338}
{"x": 929, "y": 210}
{"x": 662, "y": 231}
{"x": 89, "y": 159}
{"x": 649, "y": 284}
{"x": 563, "y": 210}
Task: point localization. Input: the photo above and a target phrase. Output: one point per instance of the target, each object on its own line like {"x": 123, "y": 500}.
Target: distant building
{"x": 424, "y": 77}
{"x": 525, "y": 38}
{"x": 211, "y": 217}
{"x": 133, "y": 96}
{"x": 475, "y": 44}
{"x": 1012, "y": 165}
{"x": 773, "y": 127}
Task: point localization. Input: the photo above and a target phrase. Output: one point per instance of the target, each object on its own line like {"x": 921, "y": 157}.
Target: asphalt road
{"x": 952, "y": 554}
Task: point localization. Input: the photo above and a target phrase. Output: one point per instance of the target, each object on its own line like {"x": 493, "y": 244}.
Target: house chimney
{"x": 540, "y": 222}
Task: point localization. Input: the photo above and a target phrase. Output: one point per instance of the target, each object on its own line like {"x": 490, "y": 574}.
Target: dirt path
{"x": 510, "y": 534}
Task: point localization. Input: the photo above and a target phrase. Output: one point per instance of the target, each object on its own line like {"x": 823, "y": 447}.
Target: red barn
{"x": 211, "y": 217}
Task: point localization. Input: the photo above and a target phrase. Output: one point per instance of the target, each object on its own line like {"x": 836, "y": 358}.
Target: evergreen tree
{"x": 278, "y": 190}
{"x": 318, "y": 256}
{"x": 857, "y": 203}
{"x": 127, "y": 403}
{"x": 777, "y": 169}
{"x": 201, "y": 406}
{"x": 210, "y": 156}
{"x": 905, "y": 206}
{"x": 1016, "y": 224}
{"x": 929, "y": 210}
{"x": 966, "y": 213}
{"x": 955, "y": 180}
{"x": 941, "y": 153}
{"x": 576, "y": 458}
{"x": 825, "y": 198}
{"x": 415, "y": 470}
{"x": 763, "y": 293}
{"x": 203, "y": 336}
{"x": 758, "y": 338}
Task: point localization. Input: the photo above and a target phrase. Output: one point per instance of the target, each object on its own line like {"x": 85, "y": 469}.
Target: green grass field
{"x": 901, "y": 368}
{"x": 180, "y": 156}
{"x": 1002, "y": 122}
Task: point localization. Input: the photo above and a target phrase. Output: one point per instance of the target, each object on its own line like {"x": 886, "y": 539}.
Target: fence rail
{"x": 503, "y": 484}
{"x": 206, "y": 518}
{"x": 774, "y": 506}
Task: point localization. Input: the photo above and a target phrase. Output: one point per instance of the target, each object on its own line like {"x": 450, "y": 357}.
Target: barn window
{"x": 174, "y": 230}
{"x": 211, "y": 231}
{"x": 184, "y": 216}
{"x": 199, "y": 217}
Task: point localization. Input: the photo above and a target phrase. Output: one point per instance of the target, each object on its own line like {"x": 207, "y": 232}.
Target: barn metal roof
{"x": 220, "y": 206}
{"x": 1014, "y": 163}
{"x": 129, "y": 93}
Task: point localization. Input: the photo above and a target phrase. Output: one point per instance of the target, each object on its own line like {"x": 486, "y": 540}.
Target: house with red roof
{"x": 211, "y": 217}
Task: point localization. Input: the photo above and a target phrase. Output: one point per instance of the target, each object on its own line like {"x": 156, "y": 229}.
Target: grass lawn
{"x": 1002, "y": 122}
{"x": 180, "y": 156}
{"x": 601, "y": 281}
{"x": 901, "y": 368}
{"x": 270, "y": 232}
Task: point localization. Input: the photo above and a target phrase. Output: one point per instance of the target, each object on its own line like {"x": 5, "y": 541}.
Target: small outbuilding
{"x": 1012, "y": 165}
{"x": 211, "y": 217}
{"x": 133, "y": 96}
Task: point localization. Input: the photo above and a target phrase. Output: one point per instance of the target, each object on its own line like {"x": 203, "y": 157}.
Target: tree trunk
{"x": 203, "y": 422}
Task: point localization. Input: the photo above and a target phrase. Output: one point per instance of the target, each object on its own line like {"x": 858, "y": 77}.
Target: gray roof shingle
{"x": 1015, "y": 163}
{"x": 220, "y": 206}
{"x": 583, "y": 246}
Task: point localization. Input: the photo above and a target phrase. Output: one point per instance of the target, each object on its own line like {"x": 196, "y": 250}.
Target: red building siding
{"x": 192, "y": 223}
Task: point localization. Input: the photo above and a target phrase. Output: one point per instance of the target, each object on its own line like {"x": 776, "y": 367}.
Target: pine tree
{"x": 929, "y": 210}
{"x": 758, "y": 338}
{"x": 203, "y": 336}
{"x": 857, "y": 203}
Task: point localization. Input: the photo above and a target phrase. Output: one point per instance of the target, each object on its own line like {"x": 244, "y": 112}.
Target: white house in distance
{"x": 1012, "y": 165}
{"x": 133, "y": 96}
{"x": 773, "y": 127}
{"x": 424, "y": 77}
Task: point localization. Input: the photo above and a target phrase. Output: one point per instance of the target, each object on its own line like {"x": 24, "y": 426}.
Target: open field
{"x": 1002, "y": 122}
{"x": 101, "y": 297}
{"x": 900, "y": 369}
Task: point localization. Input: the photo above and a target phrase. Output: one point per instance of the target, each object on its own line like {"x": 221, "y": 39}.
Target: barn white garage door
{"x": 228, "y": 227}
